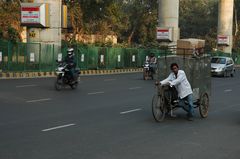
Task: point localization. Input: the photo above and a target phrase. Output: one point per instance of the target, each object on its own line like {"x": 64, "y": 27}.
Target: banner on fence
{"x": 133, "y": 58}
{"x": 32, "y": 57}
{"x": 102, "y": 58}
{"x": 0, "y": 56}
{"x": 119, "y": 58}
{"x": 60, "y": 57}
{"x": 82, "y": 58}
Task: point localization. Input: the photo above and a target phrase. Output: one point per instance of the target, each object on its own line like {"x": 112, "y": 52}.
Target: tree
{"x": 198, "y": 19}
{"x": 133, "y": 21}
{"x": 76, "y": 14}
{"x": 10, "y": 19}
{"x": 142, "y": 16}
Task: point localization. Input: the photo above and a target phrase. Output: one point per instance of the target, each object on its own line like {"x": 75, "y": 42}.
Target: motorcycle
{"x": 147, "y": 71}
{"x": 64, "y": 78}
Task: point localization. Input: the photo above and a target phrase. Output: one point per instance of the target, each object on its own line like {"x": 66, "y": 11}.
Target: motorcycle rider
{"x": 152, "y": 62}
{"x": 71, "y": 64}
{"x": 178, "y": 79}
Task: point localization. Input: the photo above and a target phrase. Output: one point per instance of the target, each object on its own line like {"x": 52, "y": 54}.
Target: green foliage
{"x": 198, "y": 19}
{"x": 10, "y": 20}
{"x": 134, "y": 22}
{"x": 1, "y": 33}
{"x": 12, "y": 34}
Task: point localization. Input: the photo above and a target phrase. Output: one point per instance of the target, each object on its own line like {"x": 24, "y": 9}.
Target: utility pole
{"x": 51, "y": 33}
{"x": 225, "y": 25}
{"x": 168, "y": 22}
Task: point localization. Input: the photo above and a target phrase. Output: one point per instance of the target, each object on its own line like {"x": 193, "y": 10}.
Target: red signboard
{"x": 30, "y": 9}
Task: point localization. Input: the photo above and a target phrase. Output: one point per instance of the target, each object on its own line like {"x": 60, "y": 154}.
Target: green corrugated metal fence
{"x": 20, "y": 57}
{"x": 26, "y": 57}
{"x": 39, "y": 57}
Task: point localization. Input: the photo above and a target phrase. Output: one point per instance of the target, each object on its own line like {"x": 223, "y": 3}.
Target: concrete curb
{"x": 17, "y": 75}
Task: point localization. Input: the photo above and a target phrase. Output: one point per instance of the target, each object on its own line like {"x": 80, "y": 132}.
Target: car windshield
{"x": 218, "y": 60}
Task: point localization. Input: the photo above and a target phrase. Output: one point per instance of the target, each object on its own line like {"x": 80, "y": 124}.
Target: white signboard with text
{"x": 35, "y": 14}
{"x": 223, "y": 40}
{"x": 164, "y": 34}
{"x": 30, "y": 15}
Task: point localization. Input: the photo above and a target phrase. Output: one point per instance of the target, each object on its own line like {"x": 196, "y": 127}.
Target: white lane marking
{"x": 93, "y": 93}
{"x": 38, "y": 100}
{"x": 130, "y": 111}
{"x": 132, "y": 88}
{"x": 106, "y": 80}
{"x": 226, "y": 108}
{"x": 58, "y": 127}
{"x": 228, "y": 90}
{"x": 191, "y": 143}
{"x": 30, "y": 85}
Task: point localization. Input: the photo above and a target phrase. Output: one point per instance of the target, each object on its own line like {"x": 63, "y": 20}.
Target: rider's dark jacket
{"x": 71, "y": 65}
{"x": 70, "y": 61}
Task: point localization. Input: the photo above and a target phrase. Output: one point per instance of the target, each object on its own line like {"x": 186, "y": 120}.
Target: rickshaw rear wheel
{"x": 204, "y": 105}
{"x": 158, "y": 108}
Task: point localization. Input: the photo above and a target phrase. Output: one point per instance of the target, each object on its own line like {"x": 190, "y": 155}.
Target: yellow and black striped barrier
{"x": 10, "y": 75}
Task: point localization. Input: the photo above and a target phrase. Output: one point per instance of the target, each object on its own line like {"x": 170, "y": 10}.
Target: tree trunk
{"x": 131, "y": 36}
{"x": 236, "y": 22}
{"x": 236, "y": 28}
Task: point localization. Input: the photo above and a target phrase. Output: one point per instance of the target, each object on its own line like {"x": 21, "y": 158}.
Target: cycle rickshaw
{"x": 197, "y": 70}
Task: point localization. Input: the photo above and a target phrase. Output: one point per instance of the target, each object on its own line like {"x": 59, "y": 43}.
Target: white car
{"x": 222, "y": 66}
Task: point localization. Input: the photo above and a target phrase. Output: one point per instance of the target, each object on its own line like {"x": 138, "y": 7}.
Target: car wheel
{"x": 232, "y": 73}
{"x": 225, "y": 74}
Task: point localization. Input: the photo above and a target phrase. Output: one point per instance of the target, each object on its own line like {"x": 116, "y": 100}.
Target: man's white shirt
{"x": 180, "y": 82}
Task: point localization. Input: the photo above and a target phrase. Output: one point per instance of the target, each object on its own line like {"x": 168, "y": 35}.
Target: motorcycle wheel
{"x": 74, "y": 86}
{"x": 145, "y": 74}
{"x": 58, "y": 84}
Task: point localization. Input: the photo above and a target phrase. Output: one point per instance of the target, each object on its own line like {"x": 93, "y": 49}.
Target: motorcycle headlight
{"x": 60, "y": 68}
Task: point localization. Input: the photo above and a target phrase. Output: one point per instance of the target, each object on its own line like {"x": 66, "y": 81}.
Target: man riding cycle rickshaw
{"x": 186, "y": 89}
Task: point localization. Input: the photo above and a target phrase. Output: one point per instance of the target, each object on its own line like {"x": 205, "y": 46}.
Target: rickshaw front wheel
{"x": 158, "y": 108}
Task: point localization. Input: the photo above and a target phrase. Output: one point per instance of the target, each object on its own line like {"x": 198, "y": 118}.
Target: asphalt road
{"x": 109, "y": 117}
